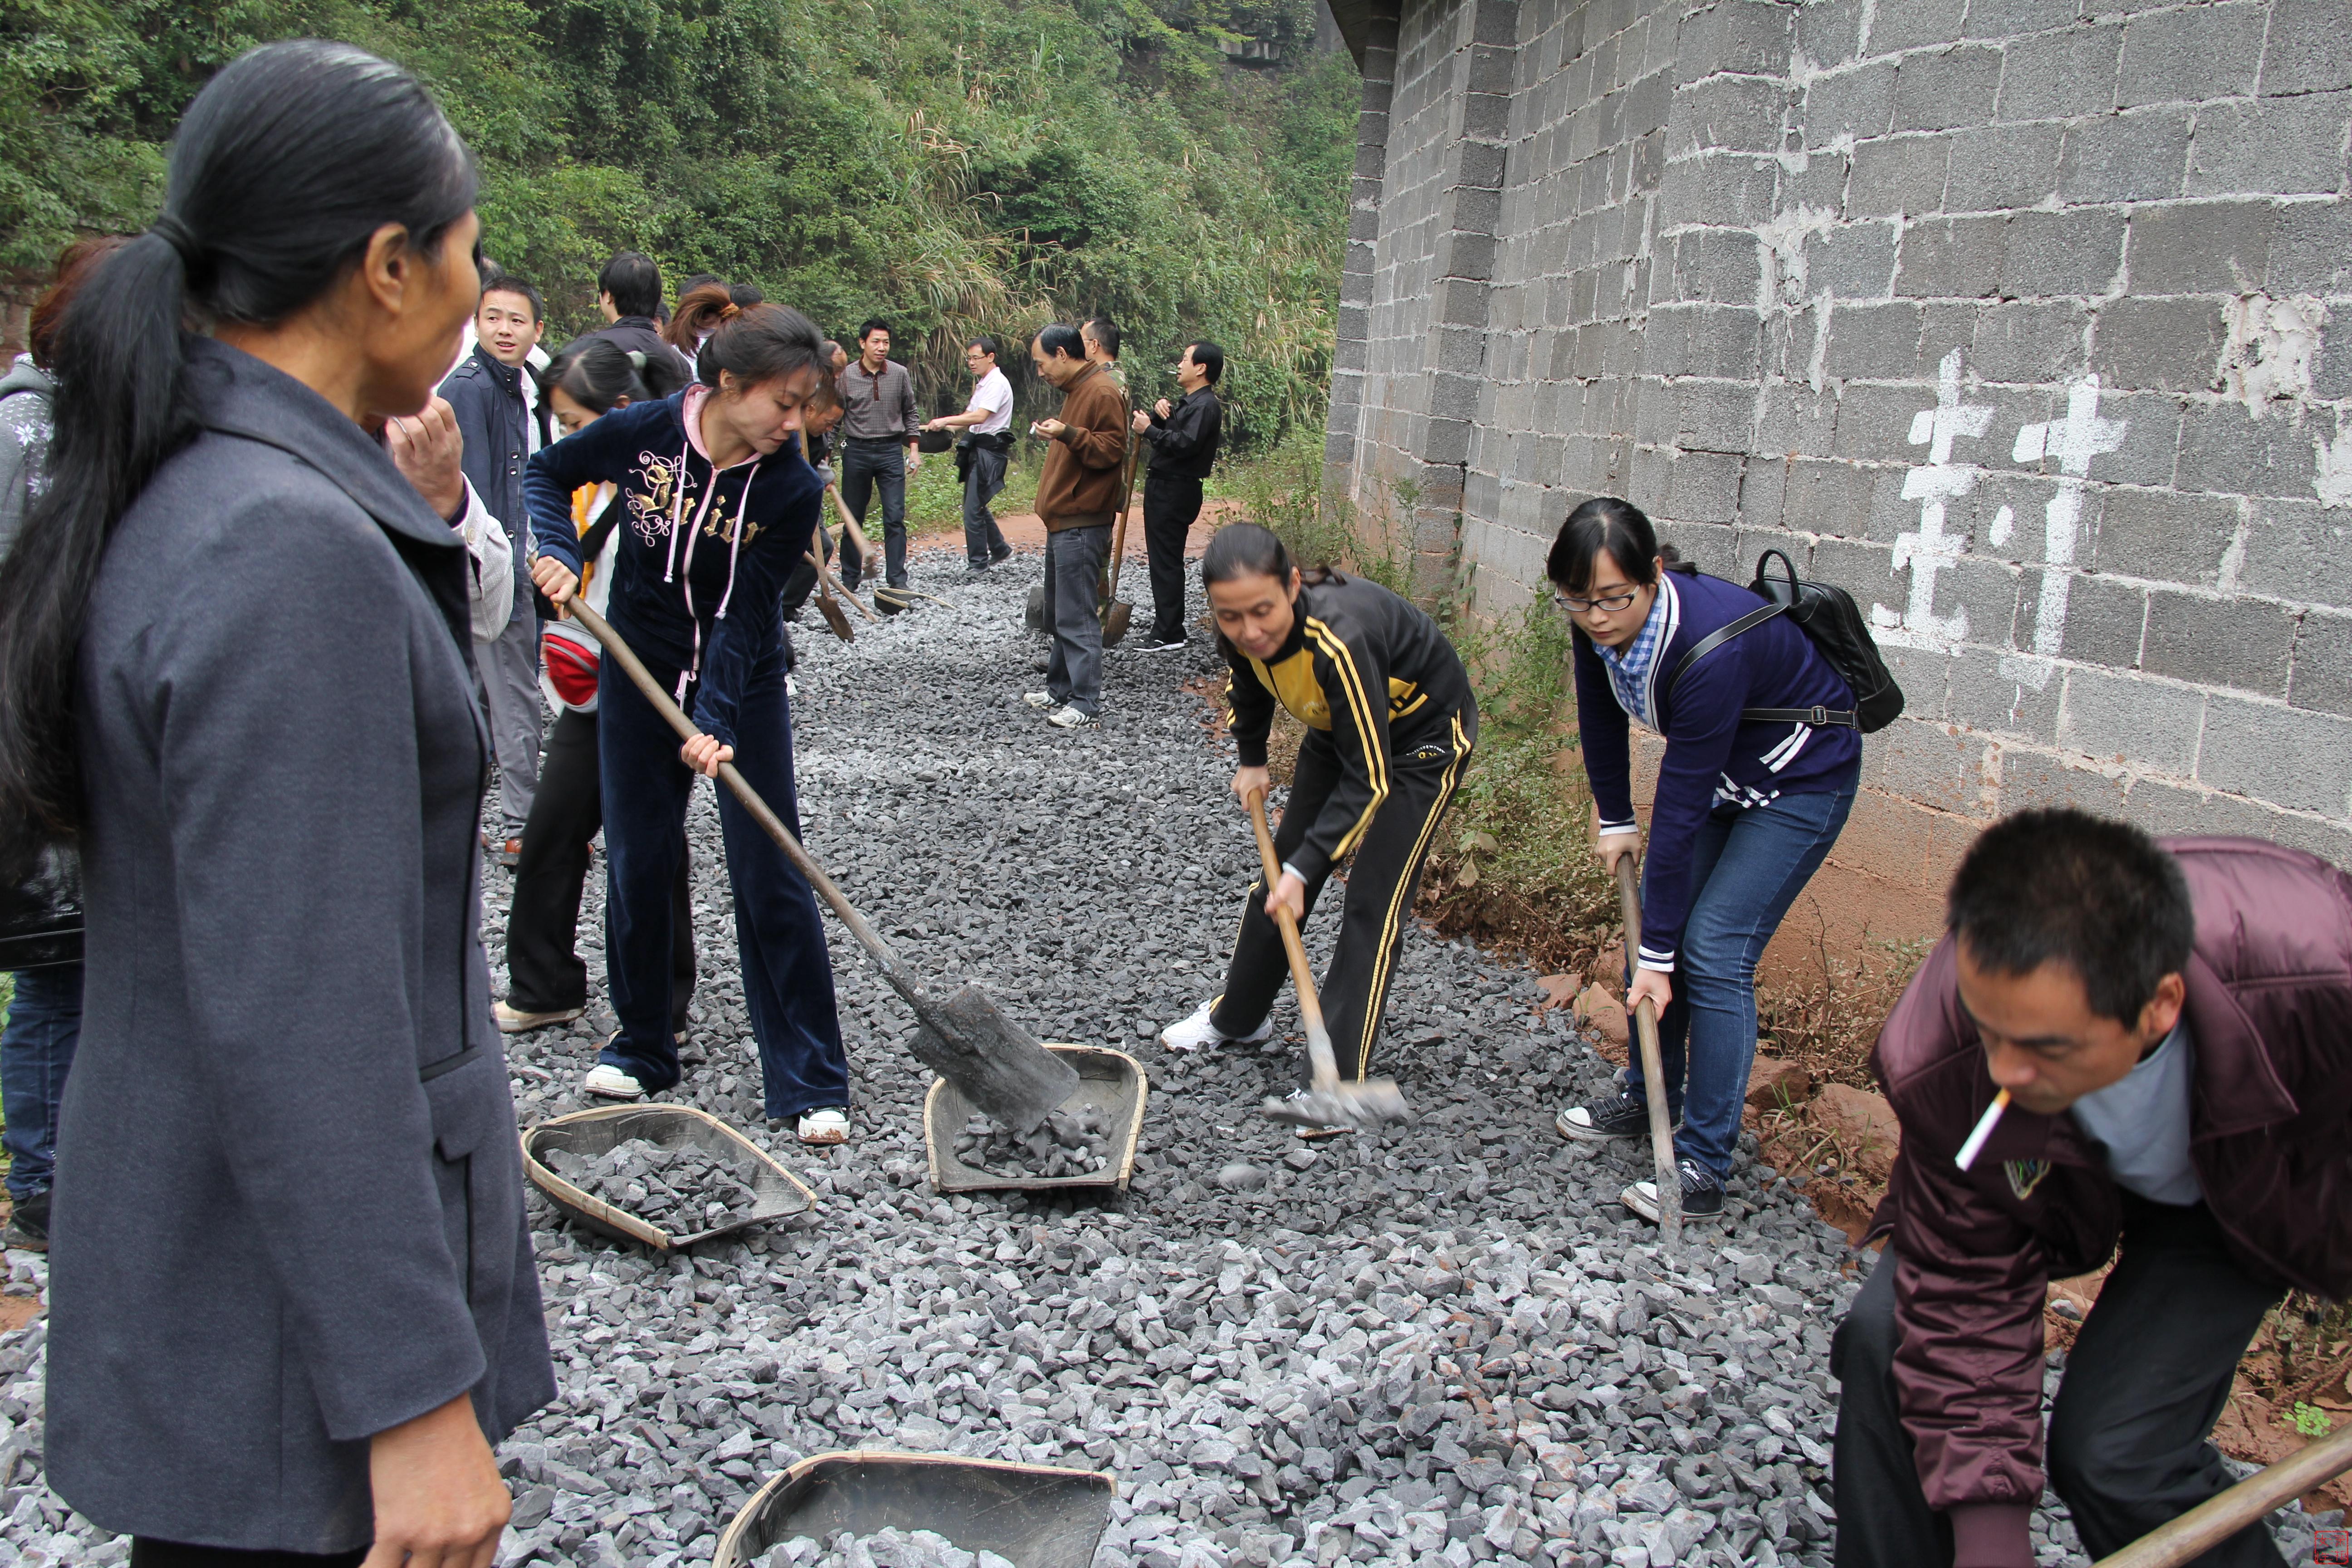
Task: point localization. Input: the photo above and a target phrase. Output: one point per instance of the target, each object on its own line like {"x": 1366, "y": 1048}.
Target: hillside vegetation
{"x": 958, "y": 167}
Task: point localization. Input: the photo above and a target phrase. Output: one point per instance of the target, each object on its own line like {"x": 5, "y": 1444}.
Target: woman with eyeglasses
{"x": 1746, "y": 810}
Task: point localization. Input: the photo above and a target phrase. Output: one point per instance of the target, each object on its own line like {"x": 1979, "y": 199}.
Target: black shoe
{"x": 999, "y": 557}
{"x": 1619, "y": 1116}
{"x": 1702, "y": 1195}
{"x": 1157, "y": 644}
{"x": 28, "y": 1224}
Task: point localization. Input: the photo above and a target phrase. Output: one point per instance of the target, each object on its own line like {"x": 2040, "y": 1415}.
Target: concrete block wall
{"x": 2029, "y": 321}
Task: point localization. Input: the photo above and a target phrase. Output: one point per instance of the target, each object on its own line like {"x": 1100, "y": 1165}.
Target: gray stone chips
{"x": 883, "y": 1549}
{"x": 1445, "y": 1343}
{"x": 683, "y": 1190}
{"x": 1065, "y": 1144}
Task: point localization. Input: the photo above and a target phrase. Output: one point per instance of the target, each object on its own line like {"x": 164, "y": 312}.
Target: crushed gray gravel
{"x": 883, "y": 1549}
{"x": 1442, "y": 1343}
{"x": 1063, "y": 1145}
{"x": 680, "y": 1189}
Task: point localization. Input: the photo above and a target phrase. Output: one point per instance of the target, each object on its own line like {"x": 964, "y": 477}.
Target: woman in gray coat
{"x": 292, "y": 1303}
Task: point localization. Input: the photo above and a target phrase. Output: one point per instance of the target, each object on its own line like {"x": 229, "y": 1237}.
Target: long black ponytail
{"x": 284, "y": 167}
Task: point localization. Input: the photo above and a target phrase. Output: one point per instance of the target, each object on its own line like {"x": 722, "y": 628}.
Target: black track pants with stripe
{"x": 1380, "y": 883}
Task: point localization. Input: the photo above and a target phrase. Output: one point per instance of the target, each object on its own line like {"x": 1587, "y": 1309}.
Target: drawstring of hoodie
{"x": 682, "y": 573}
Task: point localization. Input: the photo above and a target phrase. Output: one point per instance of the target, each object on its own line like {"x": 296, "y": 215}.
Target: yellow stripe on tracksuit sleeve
{"x": 1376, "y": 760}
{"x": 1386, "y": 959}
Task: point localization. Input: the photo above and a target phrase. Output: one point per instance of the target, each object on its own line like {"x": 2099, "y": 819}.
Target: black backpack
{"x": 1829, "y": 617}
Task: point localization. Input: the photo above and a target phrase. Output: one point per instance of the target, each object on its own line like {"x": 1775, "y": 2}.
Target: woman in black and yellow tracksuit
{"x": 1390, "y": 724}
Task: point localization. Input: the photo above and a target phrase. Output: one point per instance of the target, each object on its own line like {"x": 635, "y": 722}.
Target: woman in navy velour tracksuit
{"x": 721, "y": 507}
{"x": 1746, "y": 811}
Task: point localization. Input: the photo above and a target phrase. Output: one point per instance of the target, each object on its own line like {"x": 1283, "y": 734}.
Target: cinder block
{"x": 1931, "y": 765}
{"x": 2298, "y": 550}
{"x": 1860, "y": 567}
{"x": 2055, "y": 253}
{"x": 1856, "y": 102}
{"x": 2173, "y": 810}
{"x": 2198, "y": 247}
{"x": 2163, "y": 345}
{"x": 2311, "y": 248}
{"x": 2151, "y": 437}
{"x": 2195, "y": 53}
{"x": 1879, "y": 342}
{"x": 1987, "y": 591}
{"x": 2105, "y": 620}
{"x": 2062, "y": 74}
{"x": 1853, "y": 262}
{"x": 1704, "y": 487}
{"x": 1715, "y": 416}
{"x": 1830, "y": 32}
{"x": 1915, "y": 22}
{"x": 1827, "y": 497}
{"x": 1925, "y": 678}
{"x": 1874, "y": 424}
{"x": 2165, "y": 535}
{"x": 2284, "y": 146}
{"x": 1959, "y": 257}
{"x": 1795, "y": 420}
{"x": 1740, "y": 114}
{"x": 2322, "y": 676}
{"x": 2000, "y": 20}
{"x": 1996, "y": 167}
{"x": 2131, "y": 719}
{"x": 1708, "y": 546}
{"x": 2140, "y": 156}
{"x": 1747, "y": 37}
{"x": 2220, "y": 642}
{"x": 2227, "y": 451}
{"x": 1951, "y": 87}
{"x": 2286, "y": 756}
{"x": 1763, "y": 489}
{"x": 2020, "y": 341}
{"x": 2033, "y": 779}
{"x": 1995, "y": 691}
{"x": 1894, "y": 176}
{"x": 2310, "y": 48}
{"x": 1726, "y": 342}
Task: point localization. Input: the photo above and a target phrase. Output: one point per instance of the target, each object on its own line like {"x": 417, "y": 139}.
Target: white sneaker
{"x": 1038, "y": 698}
{"x": 611, "y": 1082}
{"x": 1196, "y": 1033}
{"x": 829, "y": 1124}
{"x": 511, "y": 1022}
{"x": 1071, "y": 719}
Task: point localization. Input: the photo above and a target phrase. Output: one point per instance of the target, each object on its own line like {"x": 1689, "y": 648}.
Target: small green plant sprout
{"x": 2310, "y": 1420}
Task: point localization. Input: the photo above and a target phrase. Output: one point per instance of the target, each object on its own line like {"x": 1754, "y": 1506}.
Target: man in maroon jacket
{"x": 2173, "y": 1025}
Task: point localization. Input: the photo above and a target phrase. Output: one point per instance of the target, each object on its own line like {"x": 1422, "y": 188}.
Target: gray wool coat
{"x": 289, "y": 1202}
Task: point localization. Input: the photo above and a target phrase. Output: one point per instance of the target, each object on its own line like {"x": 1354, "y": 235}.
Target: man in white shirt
{"x": 982, "y": 453}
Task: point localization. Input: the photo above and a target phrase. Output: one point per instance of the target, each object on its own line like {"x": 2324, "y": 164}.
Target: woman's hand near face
{"x": 427, "y": 448}
{"x": 557, "y": 581}
{"x": 438, "y": 1499}
{"x": 704, "y": 755}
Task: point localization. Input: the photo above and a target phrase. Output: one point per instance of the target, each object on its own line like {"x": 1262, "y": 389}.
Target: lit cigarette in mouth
{"x": 1982, "y": 1131}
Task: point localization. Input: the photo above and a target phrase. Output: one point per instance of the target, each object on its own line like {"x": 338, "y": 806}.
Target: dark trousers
{"x": 36, "y": 1054}
{"x": 2147, "y": 1379}
{"x": 1171, "y": 505}
{"x": 867, "y": 466}
{"x": 148, "y": 1553}
{"x": 545, "y": 974}
{"x": 1073, "y": 564}
{"x": 983, "y": 476}
{"x": 787, "y": 974}
{"x": 1387, "y": 870}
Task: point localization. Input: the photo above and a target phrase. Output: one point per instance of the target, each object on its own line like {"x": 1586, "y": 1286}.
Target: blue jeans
{"x": 36, "y": 1052}
{"x": 867, "y": 466}
{"x": 1747, "y": 868}
{"x": 1073, "y": 564}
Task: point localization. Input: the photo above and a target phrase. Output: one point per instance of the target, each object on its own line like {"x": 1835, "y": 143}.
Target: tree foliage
{"x": 958, "y": 168}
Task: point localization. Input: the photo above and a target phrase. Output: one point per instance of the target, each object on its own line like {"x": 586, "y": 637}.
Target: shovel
{"x": 1327, "y": 1102}
{"x": 1116, "y": 613}
{"x": 997, "y": 1064}
{"x": 826, "y": 604}
{"x": 1654, "y": 1070}
{"x": 2221, "y": 1516}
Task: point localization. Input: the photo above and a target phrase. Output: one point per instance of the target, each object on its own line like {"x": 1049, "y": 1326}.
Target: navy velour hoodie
{"x": 1713, "y": 758}
{"x": 698, "y": 577}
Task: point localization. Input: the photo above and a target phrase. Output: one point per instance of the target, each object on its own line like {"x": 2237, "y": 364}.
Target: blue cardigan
{"x": 687, "y": 592}
{"x": 1714, "y": 759}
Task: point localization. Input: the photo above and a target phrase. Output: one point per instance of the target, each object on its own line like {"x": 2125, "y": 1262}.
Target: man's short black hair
{"x": 1210, "y": 359}
{"x": 873, "y": 324}
{"x": 696, "y": 282}
{"x": 634, "y": 282}
{"x": 508, "y": 283}
{"x": 1061, "y": 338}
{"x": 1105, "y": 332}
{"x": 987, "y": 345}
{"x": 2062, "y": 885}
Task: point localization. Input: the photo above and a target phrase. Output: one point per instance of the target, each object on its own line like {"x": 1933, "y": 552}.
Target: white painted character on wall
{"x": 1929, "y": 550}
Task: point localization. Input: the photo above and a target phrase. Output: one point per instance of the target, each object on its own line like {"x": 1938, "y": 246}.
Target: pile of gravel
{"x": 1064, "y": 1144}
{"x": 883, "y": 1549}
{"x": 1443, "y": 1341}
{"x": 683, "y": 1190}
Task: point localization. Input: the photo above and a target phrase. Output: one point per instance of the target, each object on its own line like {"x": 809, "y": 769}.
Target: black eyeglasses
{"x": 1612, "y": 603}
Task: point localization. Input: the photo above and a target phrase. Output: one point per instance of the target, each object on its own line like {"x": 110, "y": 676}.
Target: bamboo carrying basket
{"x": 1110, "y": 1079}
{"x": 1036, "y": 1515}
{"x": 780, "y": 1194}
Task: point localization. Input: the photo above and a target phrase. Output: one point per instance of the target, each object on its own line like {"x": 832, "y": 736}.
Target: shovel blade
{"x": 997, "y": 1064}
{"x": 830, "y": 608}
{"x": 1115, "y": 621}
{"x": 1375, "y": 1102}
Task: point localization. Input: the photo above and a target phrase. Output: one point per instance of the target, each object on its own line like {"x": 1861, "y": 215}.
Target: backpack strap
{"x": 1818, "y": 717}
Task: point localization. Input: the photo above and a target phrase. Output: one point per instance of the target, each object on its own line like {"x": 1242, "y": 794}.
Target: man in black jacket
{"x": 1183, "y": 437}
{"x": 629, "y": 292}
{"x": 485, "y": 393}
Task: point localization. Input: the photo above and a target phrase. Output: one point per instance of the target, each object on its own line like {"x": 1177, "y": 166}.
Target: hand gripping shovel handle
{"x": 901, "y": 978}
{"x": 1654, "y": 1070}
{"x": 2218, "y": 1518}
{"x": 1320, "y": 1059}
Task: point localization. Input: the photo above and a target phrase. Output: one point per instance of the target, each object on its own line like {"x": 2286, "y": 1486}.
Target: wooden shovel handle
{"x": 1653, "y": 1066}
{"x": 2218, "y": 1518}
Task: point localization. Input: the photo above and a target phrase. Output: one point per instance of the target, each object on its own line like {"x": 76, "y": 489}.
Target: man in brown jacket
{"x": 2173, "y": 1025}
{"x": 1076, "y": 496}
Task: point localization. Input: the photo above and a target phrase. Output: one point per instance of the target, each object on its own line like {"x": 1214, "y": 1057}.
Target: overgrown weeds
{"x": 1827, "y": 1015}
{"x": 1282, "y": 488}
